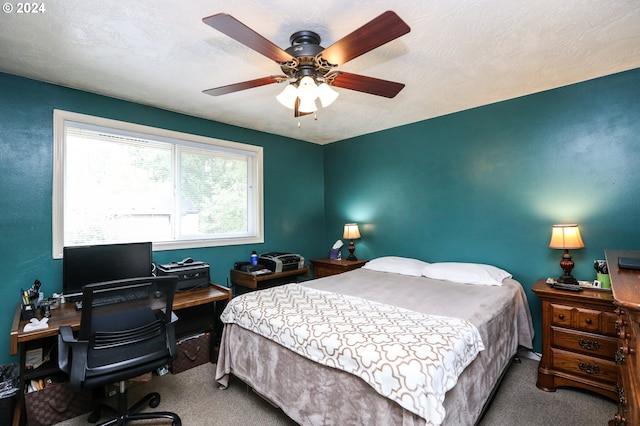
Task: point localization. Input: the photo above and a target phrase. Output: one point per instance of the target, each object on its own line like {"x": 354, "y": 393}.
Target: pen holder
{"x": 36, "y": 298}
{"x": 605, "y": 280}
{"x": 28, "y": 311}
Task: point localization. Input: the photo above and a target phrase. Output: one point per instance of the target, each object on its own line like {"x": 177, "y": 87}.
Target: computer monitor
{"x": 88, "y": 264}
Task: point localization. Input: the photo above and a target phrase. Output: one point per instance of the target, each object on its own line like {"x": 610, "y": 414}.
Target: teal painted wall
{"x": 485, "y": 185}
{"x": 294, "y": 219}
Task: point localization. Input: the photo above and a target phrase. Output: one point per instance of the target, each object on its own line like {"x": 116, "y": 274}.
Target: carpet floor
{"x": 194, "y": 396}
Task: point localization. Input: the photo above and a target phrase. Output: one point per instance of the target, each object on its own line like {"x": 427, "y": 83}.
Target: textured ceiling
{"x": 459, "y": 55}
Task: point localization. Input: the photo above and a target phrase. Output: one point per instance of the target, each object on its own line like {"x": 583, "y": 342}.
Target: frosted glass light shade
{"x": 288, "y": 96}
{"x": 326, "y": 94}
{"x": 307, "y": 105}
{"x": 307, "y": 89}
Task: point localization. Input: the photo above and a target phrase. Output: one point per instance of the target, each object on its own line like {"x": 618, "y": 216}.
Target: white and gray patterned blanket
{"x": 406, "y": 356}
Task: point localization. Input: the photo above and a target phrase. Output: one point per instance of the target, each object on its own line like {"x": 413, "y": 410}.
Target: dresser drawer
{"x": 589, "y": 367}
{"x": 585, "y": 319}
{"x": 562, "y": 315}
{"x": 586, "y": 343}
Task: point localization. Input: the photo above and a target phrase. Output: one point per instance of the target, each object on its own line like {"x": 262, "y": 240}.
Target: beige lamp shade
{"x": 351, "y": 231}
{"x": 566, "y": 237}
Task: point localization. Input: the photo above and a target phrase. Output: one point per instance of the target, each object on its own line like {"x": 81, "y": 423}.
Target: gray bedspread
{"x": 312, "y": 394}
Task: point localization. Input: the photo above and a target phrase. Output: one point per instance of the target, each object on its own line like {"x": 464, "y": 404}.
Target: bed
{"x": 474, "y": 328}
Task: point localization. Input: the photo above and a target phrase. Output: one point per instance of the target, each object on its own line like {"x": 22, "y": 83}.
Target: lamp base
{"x": 352, "y": 248}
{"x": 567, "y": 279}
{"x": 567, "y": 266}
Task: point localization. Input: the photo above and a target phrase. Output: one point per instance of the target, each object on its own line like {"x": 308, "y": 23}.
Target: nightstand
{"x": 248, "y": 281}
{"x": 326, "y": 267}
{"x": 578, "y": 340}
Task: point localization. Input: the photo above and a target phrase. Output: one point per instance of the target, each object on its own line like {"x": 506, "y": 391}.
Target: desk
{"x": 195, "y": 309}
{"x": 256, "y": 282}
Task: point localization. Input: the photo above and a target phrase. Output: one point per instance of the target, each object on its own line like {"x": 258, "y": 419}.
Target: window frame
{"x": 256, "y": 175}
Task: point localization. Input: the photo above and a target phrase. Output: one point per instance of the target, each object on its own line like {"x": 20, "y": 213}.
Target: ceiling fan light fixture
{"x": 307, "y": 105}
{"x": 288, "y": 96}
{"x": 306, "y": 63}
{"x": 326, "y": 94}
{"x": 307, "y": 89}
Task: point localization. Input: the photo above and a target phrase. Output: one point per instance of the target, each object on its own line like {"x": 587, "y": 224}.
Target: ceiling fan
{"x": 310, "y": 68}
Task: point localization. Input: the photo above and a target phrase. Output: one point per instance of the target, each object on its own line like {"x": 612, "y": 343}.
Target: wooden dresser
{"x": 625, "y": 284}
{"x": 579, "y": 340}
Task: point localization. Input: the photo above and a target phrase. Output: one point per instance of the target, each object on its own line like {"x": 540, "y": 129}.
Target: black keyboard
{"x": 115, "y": 298}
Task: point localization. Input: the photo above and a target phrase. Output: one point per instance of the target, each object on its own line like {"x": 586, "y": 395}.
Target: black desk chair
{"x": 126, "y": 329}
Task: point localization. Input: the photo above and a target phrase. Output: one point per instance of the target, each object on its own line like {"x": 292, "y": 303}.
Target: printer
{"x": 281, "y": 262}
{"x": 190, "y": 273}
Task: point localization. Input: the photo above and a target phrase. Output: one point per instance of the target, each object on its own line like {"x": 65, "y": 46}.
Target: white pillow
{"x": 398, "y": 265}
{"x": 469, "y": 273}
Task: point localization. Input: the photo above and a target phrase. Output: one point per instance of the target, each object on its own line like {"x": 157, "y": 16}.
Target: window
{"x": 117, "y": 182}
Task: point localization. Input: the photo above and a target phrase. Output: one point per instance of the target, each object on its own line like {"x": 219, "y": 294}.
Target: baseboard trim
{"x": 529, "y": 354}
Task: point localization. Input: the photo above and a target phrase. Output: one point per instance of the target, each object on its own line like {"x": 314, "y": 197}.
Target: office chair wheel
{"x": 94, "y": 416}
{"x": 154, "y": 401}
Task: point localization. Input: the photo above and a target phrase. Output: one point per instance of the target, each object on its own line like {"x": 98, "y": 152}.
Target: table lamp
{"x": 351, "y": 232}
{"x": 566, "y": 237}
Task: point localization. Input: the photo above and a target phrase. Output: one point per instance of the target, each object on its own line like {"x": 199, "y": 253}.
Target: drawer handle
{"x": 619, "y": 356}
{"x": 588, "y": 321}
{"x": 589, "y": 345}
{"x": 627, "y": 350}
{"x": 589, "y": 368}
{"x": 561, "y": 316}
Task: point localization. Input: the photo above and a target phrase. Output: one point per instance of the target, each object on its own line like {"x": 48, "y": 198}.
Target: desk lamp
{"x": 351, "y": 232}
{"x": 566, "y": 237}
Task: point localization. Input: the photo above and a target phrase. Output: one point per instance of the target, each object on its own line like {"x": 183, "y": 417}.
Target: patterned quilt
{"x": 406, "y": 356}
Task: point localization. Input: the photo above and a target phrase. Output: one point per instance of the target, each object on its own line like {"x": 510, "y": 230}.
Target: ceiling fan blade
{"x": 361, "y": 83}
{"x": 236, "y": 87}
{"x": 375, "y": 33}
{"x": 238, "y": 31}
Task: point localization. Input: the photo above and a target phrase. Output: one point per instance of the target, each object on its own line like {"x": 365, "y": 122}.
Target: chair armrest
{"x": 70, "y": 347}
{"x": 66, "y": 334}
{"x": 65, "y": 340}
